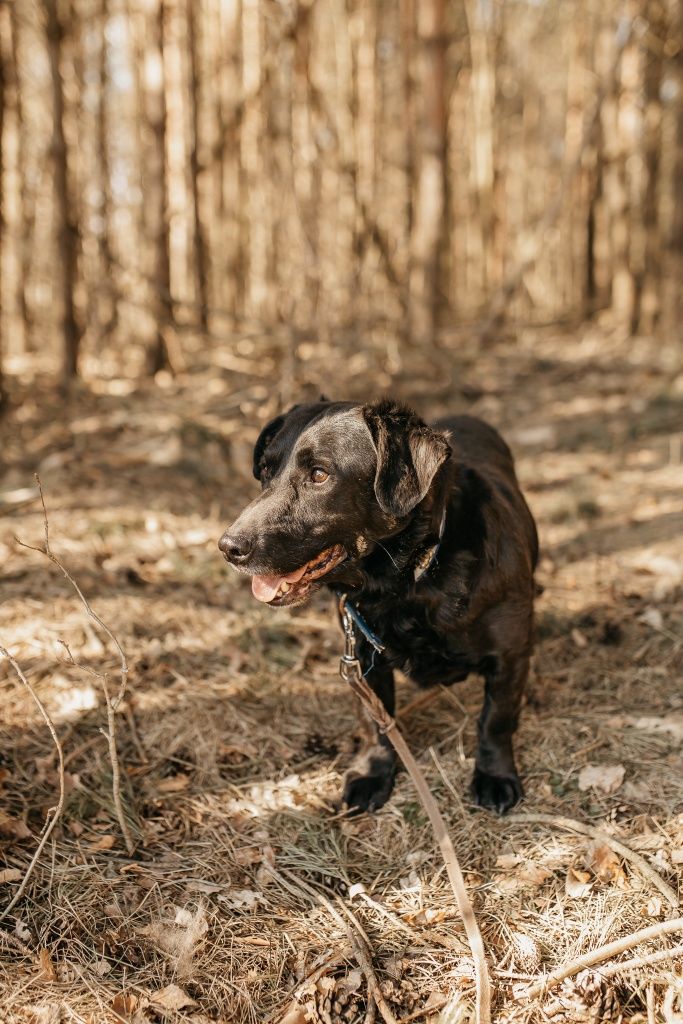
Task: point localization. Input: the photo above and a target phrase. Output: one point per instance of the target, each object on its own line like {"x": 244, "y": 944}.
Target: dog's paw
{"x": 496, "y": 792}
{"x": 369, "y": 782}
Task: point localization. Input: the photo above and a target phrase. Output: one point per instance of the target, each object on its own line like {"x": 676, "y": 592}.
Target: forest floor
{"x": 236, "y": 729}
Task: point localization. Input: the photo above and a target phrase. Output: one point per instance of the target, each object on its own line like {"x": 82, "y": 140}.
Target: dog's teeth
{"x": 284, "y": 587}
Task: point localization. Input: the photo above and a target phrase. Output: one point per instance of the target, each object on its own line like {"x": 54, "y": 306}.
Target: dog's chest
{"x": 426, "y": 653}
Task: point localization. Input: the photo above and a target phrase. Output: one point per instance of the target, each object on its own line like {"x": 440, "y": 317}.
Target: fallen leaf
{"x": 174, "y": 783}
{"x": 103, "y": 843}
{"x": 45, "y": 1013}
{"x": 295, "y": 1015}
{"x": 654, "y": 907}
{"x": 352, "y": 981}
{"x": 533, "y": 873}
{"x": 579, "y": 639}
{"x": 603, "y": 862}
{"x": 578, "y": 883}
{"x": 652, "y": 617}
{"x": 671, "y": 725}
{"x": 248, "y": 855}
{"x": 604, "y": 778}
{"x": 10, "y": 875}
{"x": 677, "y": 856}
{"x": 509, "y": 860}
{"x": 241, "y": 899}
{"x": 14, "y": 827}
{"x": 47, "y": 968}
{"x": 171, "y": 998}
{"x": 21, "y": 931}
{"x": 101, "y": 967}
{"x": 523, "y": 874}
{"x": 124, "y": 1005}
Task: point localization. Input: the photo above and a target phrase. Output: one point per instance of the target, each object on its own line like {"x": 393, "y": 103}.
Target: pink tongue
{"x": 264, "y": 588}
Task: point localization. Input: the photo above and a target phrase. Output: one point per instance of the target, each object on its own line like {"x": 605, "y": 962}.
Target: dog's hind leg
{"x": 370, "y": 779}
{"x": 496, "y": 784}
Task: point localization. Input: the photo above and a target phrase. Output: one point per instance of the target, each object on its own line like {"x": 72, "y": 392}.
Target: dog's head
{"x": 337, "y": 478}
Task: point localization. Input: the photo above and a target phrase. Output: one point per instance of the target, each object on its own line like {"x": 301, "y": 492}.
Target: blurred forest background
{"x": 176, "y": 170}
{"x": 211, "y": 208}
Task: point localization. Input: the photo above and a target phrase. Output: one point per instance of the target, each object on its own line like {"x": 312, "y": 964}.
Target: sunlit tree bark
{"x": 159, "y": 355}
{"x": 428, "y": 215}
{"x": 194, "y": 16}
{"x": 65, "y": 207}
{"x": 3, "y": 398}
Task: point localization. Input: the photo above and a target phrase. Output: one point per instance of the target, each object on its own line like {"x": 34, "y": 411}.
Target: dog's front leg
{"x": 370, "y": 779}
{"x": 496, "y": 784}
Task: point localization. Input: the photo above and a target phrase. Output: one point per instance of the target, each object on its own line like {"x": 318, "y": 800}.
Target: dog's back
{"x": 480, "y": 446}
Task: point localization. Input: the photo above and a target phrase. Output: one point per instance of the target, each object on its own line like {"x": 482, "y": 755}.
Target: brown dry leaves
{"x": 14, "y": 827}
{"x": 599, "y": 864}
{"x": 9, "y": 875}
{"x": 519, "y": 873}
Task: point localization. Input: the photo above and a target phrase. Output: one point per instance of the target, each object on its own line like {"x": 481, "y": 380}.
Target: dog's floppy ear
{"x": 264, "y": 439}
{"x": 409, "y": 453}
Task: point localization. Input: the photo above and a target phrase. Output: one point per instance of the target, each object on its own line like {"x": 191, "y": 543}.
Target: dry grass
{"x": 237, "y": 729}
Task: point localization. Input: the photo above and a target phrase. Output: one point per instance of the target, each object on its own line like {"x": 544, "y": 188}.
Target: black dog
{"x": 428, "y": 533}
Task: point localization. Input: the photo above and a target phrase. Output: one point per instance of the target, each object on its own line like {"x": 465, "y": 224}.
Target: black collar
{"x": 422, "y": 566}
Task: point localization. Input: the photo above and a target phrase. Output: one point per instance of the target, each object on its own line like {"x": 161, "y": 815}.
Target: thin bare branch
{"x": 112, "y": 704}
{"x": 596, "y": 956}
{"x": 54, "y": 813}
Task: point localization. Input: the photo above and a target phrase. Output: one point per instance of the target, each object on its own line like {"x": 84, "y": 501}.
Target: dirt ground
{"x": 237, "y": 729}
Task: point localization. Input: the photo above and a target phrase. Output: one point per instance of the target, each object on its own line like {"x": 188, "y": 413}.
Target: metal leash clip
{"x": 349, "y": 665}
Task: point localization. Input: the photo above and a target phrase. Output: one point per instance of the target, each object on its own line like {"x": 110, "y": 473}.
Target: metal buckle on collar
{"x": 349, "y": 665}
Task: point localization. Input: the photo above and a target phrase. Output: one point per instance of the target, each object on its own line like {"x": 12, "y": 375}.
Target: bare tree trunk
{"x": 26, "y": 218}
{"x": 159, "y": 356}
{"x": 673, "y": 293}
{"x": 3, "y": 396}
{"x": 104, "y": 174}
{"x": 428, "y": 225}
{"x": 200, "y": 246}
{"x": 649, "y": 276}
{"x": 65, "y": 210}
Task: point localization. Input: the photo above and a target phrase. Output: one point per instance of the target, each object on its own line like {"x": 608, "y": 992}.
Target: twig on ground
{"x": 387, "y": 725}
{"x": 614, "y": 844}
{"x": 54, "y": 813}
{"x": 356, "y": 934}
{"x": 596, "y": 956}
{"x": 371, "y": 1011}
{"x": 362, "y": 954}
{"x": 112, "y": 703}
{"x": 426, "y": 1011}
{"x": 15, "y": 942}
{"x": 637, "y": 962}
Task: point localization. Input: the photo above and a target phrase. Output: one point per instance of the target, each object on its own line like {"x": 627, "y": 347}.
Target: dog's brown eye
{"x": 318, "y": 475}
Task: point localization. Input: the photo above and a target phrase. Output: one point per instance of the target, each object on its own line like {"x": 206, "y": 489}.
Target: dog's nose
{"x": 236, "y": 548}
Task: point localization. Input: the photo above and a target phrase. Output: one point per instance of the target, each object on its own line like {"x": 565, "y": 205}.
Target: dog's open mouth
{"x": 293, "y": 586}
